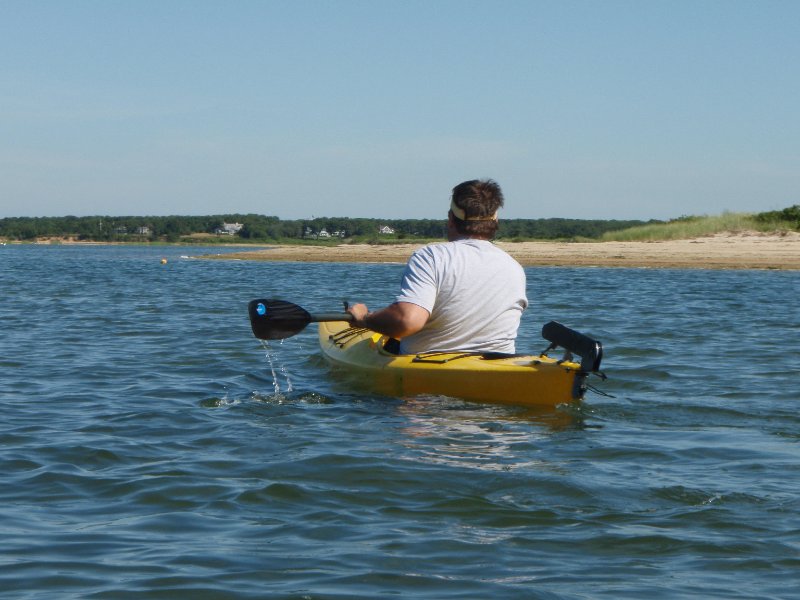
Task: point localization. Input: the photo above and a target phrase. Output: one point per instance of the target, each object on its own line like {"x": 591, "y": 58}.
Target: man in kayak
{"x": 465, "y": 294}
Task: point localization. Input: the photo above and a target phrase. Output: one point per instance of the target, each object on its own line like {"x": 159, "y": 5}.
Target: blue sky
{"x": 585, "y": 109}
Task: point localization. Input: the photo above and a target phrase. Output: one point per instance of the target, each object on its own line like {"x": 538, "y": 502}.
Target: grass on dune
{"x": 692, "y": 227}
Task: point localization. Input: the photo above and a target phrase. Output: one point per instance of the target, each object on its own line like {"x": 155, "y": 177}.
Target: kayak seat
{"x": 498, "y": 355}
{"x": 392, "y": 346}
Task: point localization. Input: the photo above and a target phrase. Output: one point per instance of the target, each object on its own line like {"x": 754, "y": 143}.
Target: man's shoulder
{"x": 434, "y": 249}
{"x": 462, "y": 246}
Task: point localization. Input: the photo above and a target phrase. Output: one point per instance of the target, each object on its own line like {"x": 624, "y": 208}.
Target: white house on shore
{"x": 229, "y": 229}
{"x": 385, "y": 230}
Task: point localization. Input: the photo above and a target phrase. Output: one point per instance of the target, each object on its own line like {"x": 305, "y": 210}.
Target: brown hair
{"x": 479, "y": 199}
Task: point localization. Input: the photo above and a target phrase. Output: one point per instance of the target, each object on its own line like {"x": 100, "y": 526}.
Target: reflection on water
{"x": 453, "y": 432}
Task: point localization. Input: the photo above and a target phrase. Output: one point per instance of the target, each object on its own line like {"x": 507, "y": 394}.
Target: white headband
{"x": 459, "y": 213}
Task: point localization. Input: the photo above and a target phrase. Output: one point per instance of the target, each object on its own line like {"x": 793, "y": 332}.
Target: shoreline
{"x": 722, "y": 251}
{"x": 741, "y": 250}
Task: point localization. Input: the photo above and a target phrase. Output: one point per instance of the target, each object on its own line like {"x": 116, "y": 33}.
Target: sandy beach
{"x": 724, "y": 251}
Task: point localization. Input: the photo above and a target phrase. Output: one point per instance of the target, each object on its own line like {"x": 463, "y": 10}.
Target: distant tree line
{"x": 268, "y": 228}
{"x": 553, "y": 229}
{"x": 258, "y": 228}
{"x": 105, "y": 228}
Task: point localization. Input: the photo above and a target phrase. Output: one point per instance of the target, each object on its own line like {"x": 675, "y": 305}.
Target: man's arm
{"x": 398, "y": 320}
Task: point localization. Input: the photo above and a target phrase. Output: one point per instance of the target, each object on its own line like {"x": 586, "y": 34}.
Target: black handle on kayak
{"x": 273, "y": 319}
{"x": 590, "y": 351}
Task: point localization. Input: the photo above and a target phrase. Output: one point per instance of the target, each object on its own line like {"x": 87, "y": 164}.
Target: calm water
{"x": 150, "y": 447}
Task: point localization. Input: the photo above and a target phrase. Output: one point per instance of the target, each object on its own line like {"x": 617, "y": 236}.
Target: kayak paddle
{"x": 279, "y": 319}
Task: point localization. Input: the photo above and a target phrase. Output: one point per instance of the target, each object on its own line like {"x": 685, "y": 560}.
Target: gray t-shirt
{"x": 475, "y": 294}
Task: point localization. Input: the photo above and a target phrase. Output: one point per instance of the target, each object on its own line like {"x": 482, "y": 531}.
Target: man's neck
{"x": 457, "y": 237}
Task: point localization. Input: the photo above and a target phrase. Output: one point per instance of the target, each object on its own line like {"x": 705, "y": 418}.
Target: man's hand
{"x": 359, "y": 312}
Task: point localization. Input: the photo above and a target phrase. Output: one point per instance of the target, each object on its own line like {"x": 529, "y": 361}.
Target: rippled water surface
{"x": 150, "y": 447}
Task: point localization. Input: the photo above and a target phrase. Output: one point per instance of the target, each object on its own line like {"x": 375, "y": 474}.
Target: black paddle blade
{"x": 276, "y": 319}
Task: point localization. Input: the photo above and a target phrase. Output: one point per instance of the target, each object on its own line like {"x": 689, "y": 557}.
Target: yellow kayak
{"x": 522, "y": 380}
